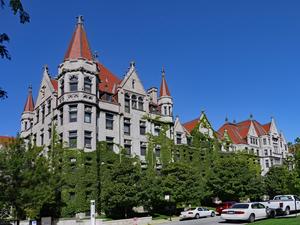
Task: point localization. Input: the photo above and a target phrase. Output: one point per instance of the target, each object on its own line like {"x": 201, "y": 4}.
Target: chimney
{"x": 152, "y": 92}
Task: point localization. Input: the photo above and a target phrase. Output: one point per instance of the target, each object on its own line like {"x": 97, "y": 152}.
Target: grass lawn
{"x": 279, "y": 221}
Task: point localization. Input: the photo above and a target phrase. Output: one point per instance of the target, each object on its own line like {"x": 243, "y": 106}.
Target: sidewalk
{"x": 159, "y": 221}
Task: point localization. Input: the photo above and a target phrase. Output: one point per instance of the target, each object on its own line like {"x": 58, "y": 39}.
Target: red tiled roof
{"x": 238, "y": 132}
{"x": 164, "y": 90}
{"x": 267, "y": 127}
{"x": 29, "y": 105}
{"x": 189, "y": 126}
{"x": 6, "y": 139}
{"x": 54, "y": 84}
{"x": 109, "y": 81}
{"x": 79, "y": 46}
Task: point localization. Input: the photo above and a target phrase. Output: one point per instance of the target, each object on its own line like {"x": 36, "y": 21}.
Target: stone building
{"x": 86, "y": 103}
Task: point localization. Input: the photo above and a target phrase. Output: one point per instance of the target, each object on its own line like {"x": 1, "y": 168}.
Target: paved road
{"x": 204, "y": 221}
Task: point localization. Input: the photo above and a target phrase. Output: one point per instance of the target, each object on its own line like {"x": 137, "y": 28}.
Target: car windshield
{"x": 240, "y": 206}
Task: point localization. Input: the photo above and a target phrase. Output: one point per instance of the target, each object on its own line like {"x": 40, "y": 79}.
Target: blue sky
{"x": 228, "y": 57}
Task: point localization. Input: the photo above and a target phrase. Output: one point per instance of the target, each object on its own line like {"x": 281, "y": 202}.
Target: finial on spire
{"x": 251, "y": 116}
{"x": 79, "y": 19}
{"x": 30, "y": 88}
{"x": 226, "y": 119}
{"x": 132, "y": 63}
{"x": 163, "y": 73}
{"x": 45, "y": 67}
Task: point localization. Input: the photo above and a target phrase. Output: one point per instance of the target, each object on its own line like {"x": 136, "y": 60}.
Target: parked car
{"x": 283, "y": 204}
{"x": 245, "y": 211}
{"x": 196, "y": 213}
{"x": 224, "y": 205}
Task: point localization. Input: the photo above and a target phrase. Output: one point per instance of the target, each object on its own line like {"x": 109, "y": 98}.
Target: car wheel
{"x": 287, "y": 211}
{"x": 251, "y": 218}
{"x": 213, "y": 214}
{"x": 197, "y": 216}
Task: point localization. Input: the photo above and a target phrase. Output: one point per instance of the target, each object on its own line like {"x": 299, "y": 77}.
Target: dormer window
{"x": 87, "y": 85}
{"x": 73, "y": 83}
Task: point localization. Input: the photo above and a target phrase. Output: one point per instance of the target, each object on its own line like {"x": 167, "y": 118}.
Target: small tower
{"x": 165, "y": 100}
{"x": 27, "y": 115}
{"x": 78, "y": 81}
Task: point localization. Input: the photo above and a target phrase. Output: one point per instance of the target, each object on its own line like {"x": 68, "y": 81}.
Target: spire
{"x": 79, "y": 46}
{"x": 164, "y": 90}
{"x": 29, "y": 105}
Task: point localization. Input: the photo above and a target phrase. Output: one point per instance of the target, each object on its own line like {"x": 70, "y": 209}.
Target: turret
{"x": 78, "y": 81}
{"x": 165, "y": 100}
{"x": 27, "y": 115}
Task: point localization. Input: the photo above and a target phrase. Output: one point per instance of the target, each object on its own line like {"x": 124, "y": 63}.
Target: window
{"x": 72, "y": 113}
{"x": 157, "y": 151}
{"x": 178, "y": 138}
{"x": 127, "y": 146}
{"x": 265, "y": 141}
{"x": 62, "y": 87}
{"x": 266, "y": 151}
{"x": 156, "y": 129}
{"x": 109, "y": 121}
{"x": 142, "y": 127}
{"x": 61, "y": 136}
{"x": 87, "y": 114}
{"x": 43, "y": 113}
{"x": 25, "y": 125}
{"x": 127, "y": 103}
{"x": 87, "y": 139}
{"x": 49, "y": 131}
{"x": 42, "y": 138}
{"x": 87, "y": 85}
{"x": 133, "y": 84}
{"x": 126, "y": 126}
{"x": 49, "y": 106}
{"x": 73, "y": 139}
{"x": 165, "y": 110}
{"x": 61, "y": 116}
{"x": 73, "y": 83}
{"x": 140, "y": 103}
{"x": 257, "y": 152}
{"x": 110, "y": 143}
{"x": 267, "y": 163}
{"x": 134, "y": 102}
{"x": 143, "y": 148}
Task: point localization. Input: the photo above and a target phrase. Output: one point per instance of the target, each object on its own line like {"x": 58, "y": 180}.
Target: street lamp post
{"x": 168, "y": 199}
{"x": 93, "y": 212}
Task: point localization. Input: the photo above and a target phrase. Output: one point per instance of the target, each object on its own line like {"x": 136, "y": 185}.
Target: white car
{"x": 245, "y": 211}
{"x": 196, "y": 213}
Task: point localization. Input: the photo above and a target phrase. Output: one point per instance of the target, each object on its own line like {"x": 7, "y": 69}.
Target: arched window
{"x": 127, "y": 103}
{"x": 87, "y": 85}
{"x": 133, "y": 102}
{"x": 73, "y": 83}
{"x": 141, "y": 103}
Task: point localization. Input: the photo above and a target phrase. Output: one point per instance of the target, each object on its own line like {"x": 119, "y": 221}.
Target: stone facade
{"x": 86, "y": 103}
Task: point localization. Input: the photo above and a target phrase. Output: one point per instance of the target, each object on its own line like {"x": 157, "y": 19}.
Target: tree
{"x": 119, "y": 187}
{"x": 236, "y": 176}
{"x": 279, "y": 180}
{"x": 24, "y": 180}
{"x": 17, "y": 8}
{"x": 183, "y": 183}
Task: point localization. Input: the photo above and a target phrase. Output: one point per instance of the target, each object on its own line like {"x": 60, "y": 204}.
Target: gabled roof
{"x": 79, "y": 46}
{"x": 164, "y": 90}
{"x": 238, "y": 131}
{"x": 29, "y": 105}
{"x": 109, "y": 81}
{"x": 189, "y": 126}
